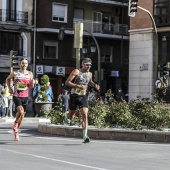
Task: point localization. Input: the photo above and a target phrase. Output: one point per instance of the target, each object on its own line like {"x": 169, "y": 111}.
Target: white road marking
{"x": 52, "y": 159}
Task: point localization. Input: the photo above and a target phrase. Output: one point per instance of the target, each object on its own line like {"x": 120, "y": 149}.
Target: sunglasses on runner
{"x": 87, "y": 65}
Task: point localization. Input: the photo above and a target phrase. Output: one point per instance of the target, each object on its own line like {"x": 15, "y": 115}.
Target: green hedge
{"x": 135, "y": 115}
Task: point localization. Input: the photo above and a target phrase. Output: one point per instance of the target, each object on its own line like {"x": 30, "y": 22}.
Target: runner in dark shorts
{"x": 21, "y": 101}
{"x": 22, "y": 81}
{"x": 79, "y": 79}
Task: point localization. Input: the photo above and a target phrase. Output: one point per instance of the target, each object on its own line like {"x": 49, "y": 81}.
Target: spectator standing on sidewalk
{"x": 109, "y": 96}
{"x": 1, "y": 88}
{"x": 2, "y": 104}
{"x": 79, "y": 79}
{"x": 49, "y": 92}
{"x": 65, "y": 101}
{"x": 120, "y": 96}
{"x": 60, "y": 101}
{"x": 36, "y": 90}
{"x": 6, "y": 96}
{"x": 23, "y": 80}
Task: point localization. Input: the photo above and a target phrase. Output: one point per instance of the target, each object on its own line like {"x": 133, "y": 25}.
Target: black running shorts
{"x": 20, "y": 101}
{"x": 79, "y": 101}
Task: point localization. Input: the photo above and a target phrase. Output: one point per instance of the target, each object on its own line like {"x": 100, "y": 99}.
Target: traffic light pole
{"x": 156, "y": 37}
{"x": 131, "y": 12}
{"x": 11, "y": 97}
{"x": 150, "y": 16}
{"x": 13, "y": 61}
{"x": 78, "y": 41}
{"x": 11, "y": 53}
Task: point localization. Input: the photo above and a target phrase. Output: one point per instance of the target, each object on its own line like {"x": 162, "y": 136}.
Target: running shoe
{"x": 87, "y": 140}
{"x": 16, "y": 136}
{"x": 67, "y": 121}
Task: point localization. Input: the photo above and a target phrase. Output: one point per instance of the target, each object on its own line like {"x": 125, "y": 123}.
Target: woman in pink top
{"x": 22, "y": 81}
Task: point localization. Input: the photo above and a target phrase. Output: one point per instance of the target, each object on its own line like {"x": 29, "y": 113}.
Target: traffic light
{"x": 13, "y": 59}
{"x": 132, "y": 8}
{"x": 164, "y": 70}
{"x": 61, "y": 34}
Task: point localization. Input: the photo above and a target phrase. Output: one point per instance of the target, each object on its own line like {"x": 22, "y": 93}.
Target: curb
{"x": 109, "y": 134}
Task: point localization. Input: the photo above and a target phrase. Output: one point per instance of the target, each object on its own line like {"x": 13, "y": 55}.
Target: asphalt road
{"x": 36, "y": 151}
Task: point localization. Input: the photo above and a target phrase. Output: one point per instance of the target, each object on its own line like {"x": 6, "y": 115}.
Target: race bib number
{"x": 21, "y": 86}
{"x": 80, "y": 92}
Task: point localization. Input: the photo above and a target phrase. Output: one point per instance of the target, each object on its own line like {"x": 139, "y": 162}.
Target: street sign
{"x": 158, "y": 83}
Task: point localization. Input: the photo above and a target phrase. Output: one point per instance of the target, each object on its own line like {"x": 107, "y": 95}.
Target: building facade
{"x": 15, "y": 31}
{"x": 148, "y": 49}
{"x": 106, "y": 20}
{"x": 32, "y": 28}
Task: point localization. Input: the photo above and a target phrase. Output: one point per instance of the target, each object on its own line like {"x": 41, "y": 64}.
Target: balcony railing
{"x": 118, "y": 2}
{"x": 162, "y": 20}
{"x": 15, "y": 16}
{"x": 103, "y": 28}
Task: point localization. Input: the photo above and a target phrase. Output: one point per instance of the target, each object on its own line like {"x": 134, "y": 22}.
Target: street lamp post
{"x": 78, "y": 41}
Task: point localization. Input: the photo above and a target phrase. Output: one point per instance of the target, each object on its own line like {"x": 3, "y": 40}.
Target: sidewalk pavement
{"x": 26, "y": 120}
{"x": 108, "y": 133}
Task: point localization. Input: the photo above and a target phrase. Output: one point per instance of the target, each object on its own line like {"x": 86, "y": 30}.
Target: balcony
{"x": 103, "y": 28}
{"x": 162, "y": 20}
{"x": 14, "y": 16}
{"x": 113, "y": 2}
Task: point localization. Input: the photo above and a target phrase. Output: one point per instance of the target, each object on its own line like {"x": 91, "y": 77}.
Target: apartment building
{"x": 31, "y": 28}
{"x": 15, "y": 32}
{"x": 106, "y": 20}
{"x": 149, "y": 46}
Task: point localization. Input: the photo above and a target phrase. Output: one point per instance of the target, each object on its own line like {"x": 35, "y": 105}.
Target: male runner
{"x": 82, "y": 78}
{"x": 22, "y": 81}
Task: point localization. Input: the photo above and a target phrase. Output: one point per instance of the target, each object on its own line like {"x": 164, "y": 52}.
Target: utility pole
{"x": 13, "y": 62}
{"x": 78, "y": 41}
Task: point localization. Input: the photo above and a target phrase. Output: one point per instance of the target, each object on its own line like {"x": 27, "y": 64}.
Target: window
{"x": 106, "y": 54}
{"x": 59, "y": 12}
{"x": 164, "y": 47}
{"x": 162, "y": 12}
{"x": 11, "y": 41}
{"x": 50, "y": 50}
{"x": 11, "y": 10}
{"x": 79, "y": 13}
